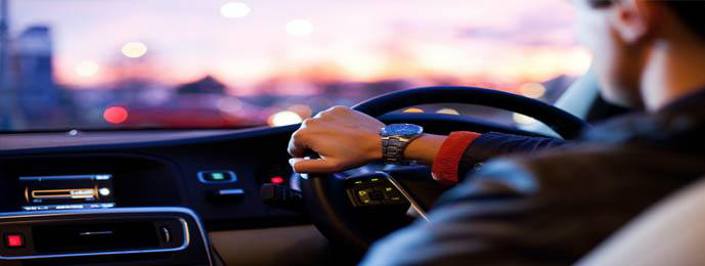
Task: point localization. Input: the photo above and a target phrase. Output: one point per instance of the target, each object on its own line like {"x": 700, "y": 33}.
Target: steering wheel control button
{"x": 13, "y": 240}
{"x": 376, "y": 195}
{"x": 364, "y": 197}
{"x": 373, "y": 191}
{"x": 217, "y": 177}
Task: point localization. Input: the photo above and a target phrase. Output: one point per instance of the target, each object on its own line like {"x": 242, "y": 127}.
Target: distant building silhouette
{"x": 36, "y": 90}
{"x": 207, "y": 84}
{"x": 6, "y": 94}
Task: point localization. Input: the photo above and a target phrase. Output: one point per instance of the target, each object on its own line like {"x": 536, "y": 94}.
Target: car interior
{"x": 156, "y": 192}
{"x": 216, "y": 195}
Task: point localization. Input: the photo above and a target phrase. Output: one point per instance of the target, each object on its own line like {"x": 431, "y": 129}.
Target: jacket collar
{"x": 680, "y": 124}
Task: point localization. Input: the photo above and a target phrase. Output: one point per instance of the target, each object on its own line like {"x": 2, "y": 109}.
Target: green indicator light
{"x": 218, "y": 176}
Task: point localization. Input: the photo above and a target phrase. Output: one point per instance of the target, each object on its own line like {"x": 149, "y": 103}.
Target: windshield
{"x": 93, "y": 64}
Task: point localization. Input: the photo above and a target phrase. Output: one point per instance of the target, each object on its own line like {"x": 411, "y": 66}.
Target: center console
{"x": 43, "y": 183}
{"x": 65, "y": 192}
{"x": 97, "y": 209}
{"x": 114, "y": 236}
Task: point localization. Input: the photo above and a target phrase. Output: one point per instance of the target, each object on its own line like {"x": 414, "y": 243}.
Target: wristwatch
{"x": 395, "y": 138}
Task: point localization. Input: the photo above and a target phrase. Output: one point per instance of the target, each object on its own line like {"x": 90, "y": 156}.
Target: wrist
{"x": 424, "y": 148}
{"x": 374, "y": 151}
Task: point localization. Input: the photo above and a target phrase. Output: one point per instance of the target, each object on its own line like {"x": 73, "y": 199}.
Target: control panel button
{"x": 217, "y": 177}
{"x": 376, "y": 195}
{"x": 277, "y": 180}
{"x": 222, "y": 195}
{"x": 231, "y": 192}
{"x": 13, "y": 240}
{"x": 373, "y": 192}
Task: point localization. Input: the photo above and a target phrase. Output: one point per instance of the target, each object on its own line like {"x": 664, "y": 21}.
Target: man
{"x": 554, "y": 206}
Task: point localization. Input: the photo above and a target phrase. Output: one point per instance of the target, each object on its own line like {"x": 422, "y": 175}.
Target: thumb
{"x": 303, "y": 165}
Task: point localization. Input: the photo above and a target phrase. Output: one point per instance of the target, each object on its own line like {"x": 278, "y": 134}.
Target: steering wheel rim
{"x": 565, "y": 124}
{"x": 324, "y": 194}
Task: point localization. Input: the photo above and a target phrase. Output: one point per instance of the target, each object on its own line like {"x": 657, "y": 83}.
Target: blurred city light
{"x": 522, "y": 119}
{"x": 299, "y": 27}
{"x": 87, "y": 69}
{"x": 115, "y": 114}
{"x": 413, "y": 110}
{"x": 234, "y": 10}
{"x": 448, "y": 111}
{"x": 284, "y": 118}
{"x": 229, "y": 65}
{"x": 532, "y": 90}
{"x": 134, "y": 49}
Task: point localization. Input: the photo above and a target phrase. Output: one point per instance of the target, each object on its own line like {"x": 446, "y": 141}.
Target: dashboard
{"x": 151, "y": 181}
{"x": 215, "y": 176}
{"x": 218, "y": 175}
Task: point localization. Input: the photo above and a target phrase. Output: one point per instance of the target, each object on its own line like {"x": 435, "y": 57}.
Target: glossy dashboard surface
{"x": 160, "y": 169}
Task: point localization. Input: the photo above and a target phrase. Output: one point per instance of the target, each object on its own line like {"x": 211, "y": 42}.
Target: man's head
{"x": 624, "y": 34}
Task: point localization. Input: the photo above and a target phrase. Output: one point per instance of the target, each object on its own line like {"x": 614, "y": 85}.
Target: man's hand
{"x": 342, "y": 137}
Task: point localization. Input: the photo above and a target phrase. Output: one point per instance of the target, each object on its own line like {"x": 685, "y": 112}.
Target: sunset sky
{"x": 247, "y": 42}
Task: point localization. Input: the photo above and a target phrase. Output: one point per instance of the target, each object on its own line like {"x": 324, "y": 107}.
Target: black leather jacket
{"x": 554, "y": 206}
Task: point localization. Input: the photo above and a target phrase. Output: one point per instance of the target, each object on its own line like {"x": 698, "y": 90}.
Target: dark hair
{"x": 689, "y": 12}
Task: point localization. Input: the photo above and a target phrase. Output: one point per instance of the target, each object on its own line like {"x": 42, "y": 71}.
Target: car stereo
{"x": 94, "y": 191}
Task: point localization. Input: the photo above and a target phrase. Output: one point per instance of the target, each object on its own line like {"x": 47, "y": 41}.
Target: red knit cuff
{"x": 445, "y": 166}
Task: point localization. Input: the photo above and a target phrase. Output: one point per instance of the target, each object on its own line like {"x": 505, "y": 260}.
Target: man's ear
{"x": 634, "y": 20}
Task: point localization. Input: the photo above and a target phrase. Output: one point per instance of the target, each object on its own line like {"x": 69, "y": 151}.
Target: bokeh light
{"x": 532, "y": 90}
{"x": 523, "y": 119}
{"x": 234, "y": 10}
{"x": 302, "y": 57}
{"x": 448, "y": 111}
{"x": 134, "y": 49}
{"x": 299, "y": 27}
{"x": 284, "y": 118}
{"x": 413, "y": 110}
{"x": 115, "y": 115}
{"x": 87, "y": 69}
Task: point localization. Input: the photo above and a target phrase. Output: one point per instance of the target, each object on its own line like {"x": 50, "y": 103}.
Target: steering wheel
{"x": 356, "y": 210}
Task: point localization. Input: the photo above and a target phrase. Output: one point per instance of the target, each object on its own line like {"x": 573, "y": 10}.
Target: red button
{"x": 277, "y": 180}
{"x": 14, "y": 240}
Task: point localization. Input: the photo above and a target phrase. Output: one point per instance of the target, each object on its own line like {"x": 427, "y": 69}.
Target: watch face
{"x": 404, "y": 130}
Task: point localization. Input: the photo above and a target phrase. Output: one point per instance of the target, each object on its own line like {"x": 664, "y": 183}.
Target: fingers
{"x": 302, "y": 165}
{"x": 338, "y": 109}
{"x": 297, "y": 147}
{"x": 335, "y": 135}
{"x": 333, "y": 112}
{"x": 298, "y": 143}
